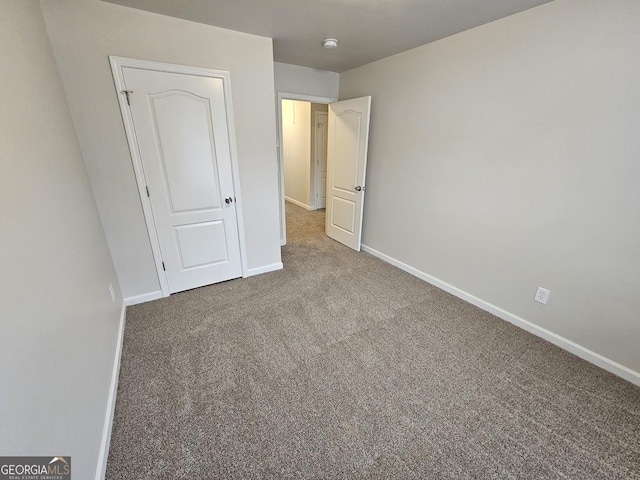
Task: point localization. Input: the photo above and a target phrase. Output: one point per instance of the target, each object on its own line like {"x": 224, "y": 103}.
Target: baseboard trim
{"x": 300, "y": 204}
{"x": 111, "y": 402}
{"x": 264, "y": 269}
{"x": 568, "y": 345}
{"x": 145, "y": 297}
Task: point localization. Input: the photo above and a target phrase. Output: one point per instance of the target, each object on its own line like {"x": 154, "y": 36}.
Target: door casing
{"x": 117, "y": 64}
{"x": 316, "y": 161}
{"x": 289, "y": 96}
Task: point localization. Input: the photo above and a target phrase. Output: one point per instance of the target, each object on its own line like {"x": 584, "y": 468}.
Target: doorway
{"x": 347, "y": 145}
{"x": 301, "y": 109}
{"x": 304, "y": 151}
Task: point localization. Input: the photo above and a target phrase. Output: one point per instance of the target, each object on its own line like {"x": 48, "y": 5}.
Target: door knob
{"x": 228, "y": 200}
{"x": 359, "y": 188}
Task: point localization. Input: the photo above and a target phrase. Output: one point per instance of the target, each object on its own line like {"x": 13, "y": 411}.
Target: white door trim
{"x": 289, "y": 96}
{"x": 117, "y": 64}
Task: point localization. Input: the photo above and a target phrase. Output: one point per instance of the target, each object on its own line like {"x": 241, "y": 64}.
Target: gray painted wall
{"x": 305, "y": 80}
{"x": 59, "y": 324}
{"x": 512, "y": 154}
{"x": 83, "y": 33}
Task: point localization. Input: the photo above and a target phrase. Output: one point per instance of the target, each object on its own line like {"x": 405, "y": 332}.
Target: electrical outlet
{"x": 542, "y": 295}
{"x": 112, "y": 291}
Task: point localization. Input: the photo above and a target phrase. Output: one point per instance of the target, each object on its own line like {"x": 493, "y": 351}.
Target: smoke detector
{"x": 330, "y": 43}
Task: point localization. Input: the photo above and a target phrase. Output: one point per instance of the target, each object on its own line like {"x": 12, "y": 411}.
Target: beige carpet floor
{"x": 342, "y": 366}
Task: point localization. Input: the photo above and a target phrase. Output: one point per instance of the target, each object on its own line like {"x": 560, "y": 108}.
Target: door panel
{"x": 202, "y": 244}
{"x": 348, "y": 138}
{"x": 183, "y": 139}
{"x": 343, "y": 214}
{"x": 346, "y": 150}
{"x": 188, "y": 158}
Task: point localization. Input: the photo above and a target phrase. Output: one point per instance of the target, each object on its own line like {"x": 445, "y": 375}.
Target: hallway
{"x": 303, "y": 225}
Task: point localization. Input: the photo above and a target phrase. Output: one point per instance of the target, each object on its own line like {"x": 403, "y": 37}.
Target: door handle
{"x": 359, "y": 189}
{"x": 228, "y": 200}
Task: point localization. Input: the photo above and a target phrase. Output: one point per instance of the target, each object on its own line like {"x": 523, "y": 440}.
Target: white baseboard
{"x": 264, "y": 269}
{"x": 582, "y": 352}
{"x": 111, "y": 402}
{"x": 300, "y": 204}
{"x": 145, "y": 297}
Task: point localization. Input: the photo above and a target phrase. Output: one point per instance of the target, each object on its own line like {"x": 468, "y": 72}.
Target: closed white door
{"x": 321, "y": 159}
{"x": 183, "y": 140}
{"x": 348, "y": 140}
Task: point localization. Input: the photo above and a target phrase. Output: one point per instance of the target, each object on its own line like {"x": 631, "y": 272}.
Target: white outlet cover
{"x": 113, "y": 293}
{"x": 542, "y": 295}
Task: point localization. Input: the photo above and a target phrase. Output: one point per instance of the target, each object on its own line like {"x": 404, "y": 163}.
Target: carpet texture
{"x": 342, "y": 366}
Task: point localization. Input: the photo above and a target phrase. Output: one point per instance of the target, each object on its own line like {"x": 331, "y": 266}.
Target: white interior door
{"x": 321, "y": 159}
{"x": 348, "y": 139}
{"x": 183, "y": 140}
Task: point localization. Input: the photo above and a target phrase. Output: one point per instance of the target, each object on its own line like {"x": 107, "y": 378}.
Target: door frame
{"x": 317, "y": 171}
{"x": 117, "y": 64}
{"x": 289, "y": 96}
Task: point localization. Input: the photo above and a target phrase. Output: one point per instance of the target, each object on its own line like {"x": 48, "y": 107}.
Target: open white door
{"x": 346, "y": 169}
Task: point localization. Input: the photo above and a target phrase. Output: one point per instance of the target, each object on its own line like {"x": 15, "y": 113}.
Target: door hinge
{"x": 147, "y": 189}
{"x": 163, "y": 267}
{"x": 127, "y": 93}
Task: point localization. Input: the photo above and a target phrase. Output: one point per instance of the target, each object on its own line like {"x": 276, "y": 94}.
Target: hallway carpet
{"x": 342, "y": 366}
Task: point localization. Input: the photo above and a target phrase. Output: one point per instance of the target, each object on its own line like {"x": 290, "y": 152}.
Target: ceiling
{"x": 367, "y": 30}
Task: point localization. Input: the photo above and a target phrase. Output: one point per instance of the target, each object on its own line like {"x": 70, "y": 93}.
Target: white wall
{"x": 59, "y": 324}
{"x": 512, "y": 154}
{"x": 83, "y": 33}
{"x": 296, "y": 145}
{"x": 305, "y": 80}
